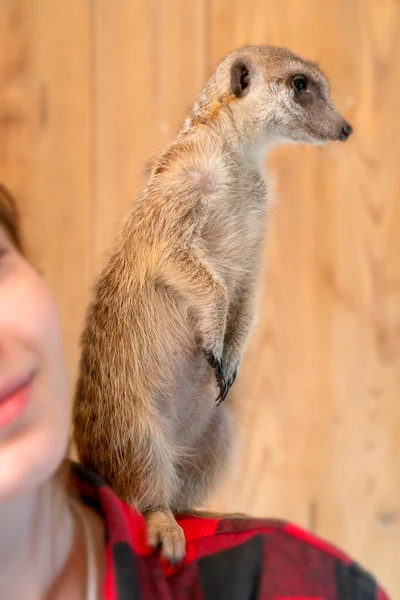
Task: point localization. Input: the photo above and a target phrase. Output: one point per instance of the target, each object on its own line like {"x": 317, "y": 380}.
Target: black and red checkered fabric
{"x": 226, "y": 559}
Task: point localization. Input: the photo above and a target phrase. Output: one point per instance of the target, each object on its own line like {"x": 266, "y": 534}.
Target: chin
{"x": 30, "y": 458}
{"x": 312, "y": 139}
{"x": 300, "y": 138}
{"x": 317, "y": 141}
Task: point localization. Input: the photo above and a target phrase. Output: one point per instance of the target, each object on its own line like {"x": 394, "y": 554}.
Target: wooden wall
{"x": 89, "y": 91}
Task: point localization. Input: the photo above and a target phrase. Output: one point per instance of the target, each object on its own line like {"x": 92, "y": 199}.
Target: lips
{"x": 14, "y": 397}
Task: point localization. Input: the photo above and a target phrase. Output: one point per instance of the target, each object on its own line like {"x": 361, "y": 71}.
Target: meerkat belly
{"x": 181, "y": 384}
{"x": 194, "y": 392}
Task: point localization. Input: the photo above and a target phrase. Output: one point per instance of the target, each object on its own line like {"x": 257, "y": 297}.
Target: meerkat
{"x": 174, "y": 305}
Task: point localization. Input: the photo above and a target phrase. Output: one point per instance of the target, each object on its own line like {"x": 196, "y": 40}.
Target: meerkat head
{"x": 274, "y": 95}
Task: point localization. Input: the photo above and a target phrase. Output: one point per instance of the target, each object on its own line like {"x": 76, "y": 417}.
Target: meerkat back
{"x": 173, "y": 308}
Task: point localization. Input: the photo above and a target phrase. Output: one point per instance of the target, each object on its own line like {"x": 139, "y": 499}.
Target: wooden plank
{"x": 320, "y": 381}
{"x": 122, "y": 110}
{"x": 149, "y": 64}
{"x": 45, "y": 142}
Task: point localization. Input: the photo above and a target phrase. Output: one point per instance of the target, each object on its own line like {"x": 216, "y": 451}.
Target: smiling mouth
{"x": 14, "y": 398}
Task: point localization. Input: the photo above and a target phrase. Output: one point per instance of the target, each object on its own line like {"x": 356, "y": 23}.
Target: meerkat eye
{"x": 300, "y": 83}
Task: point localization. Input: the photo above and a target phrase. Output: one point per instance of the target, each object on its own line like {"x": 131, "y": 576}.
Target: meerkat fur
{"x": 173, "y": 308}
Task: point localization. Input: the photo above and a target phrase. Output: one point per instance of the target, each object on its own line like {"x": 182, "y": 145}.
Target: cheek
{"x": 42, "y": 331}
{"x": 30, "y": 338}
{"x": 287, "y": 111}
{"x": 33, "y": 323}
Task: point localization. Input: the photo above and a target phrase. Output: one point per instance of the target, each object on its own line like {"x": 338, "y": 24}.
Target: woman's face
{"x": 34, "y": 395}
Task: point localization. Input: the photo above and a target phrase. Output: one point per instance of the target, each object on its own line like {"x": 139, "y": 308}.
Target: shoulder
{"x": 265, "y": 557}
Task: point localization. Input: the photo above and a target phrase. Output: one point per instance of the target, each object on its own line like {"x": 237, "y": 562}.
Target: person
{"x": 65, "y": 535}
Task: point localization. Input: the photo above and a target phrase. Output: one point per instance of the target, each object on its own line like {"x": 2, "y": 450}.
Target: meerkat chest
{"x": 233, "y": 234}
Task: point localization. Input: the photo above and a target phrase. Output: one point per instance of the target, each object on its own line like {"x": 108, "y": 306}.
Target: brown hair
{"x": 9, "y": 217}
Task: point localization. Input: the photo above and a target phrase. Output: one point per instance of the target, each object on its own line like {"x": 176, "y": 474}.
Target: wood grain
{"x": 321, "y": 380}
{"x": 90, "y": 93}
{"x": 149, "y": 65}
{"x": 45, "y": 143}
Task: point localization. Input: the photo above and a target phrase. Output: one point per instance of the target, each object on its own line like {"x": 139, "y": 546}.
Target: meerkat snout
{"x": 304, "y": 110}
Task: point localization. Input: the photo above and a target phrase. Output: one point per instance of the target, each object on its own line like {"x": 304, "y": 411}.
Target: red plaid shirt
{"x": 226, "y": 558}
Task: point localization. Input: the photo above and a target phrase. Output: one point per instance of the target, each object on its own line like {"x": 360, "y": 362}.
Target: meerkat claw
{"x": 223, "y": 393}
{"x": 222, "y": 396}
{"x": 215, "y": 363}
{"x": 224, "y": 386}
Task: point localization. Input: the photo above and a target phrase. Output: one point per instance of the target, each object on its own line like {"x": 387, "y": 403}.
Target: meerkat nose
{"x": 345, "y": 132}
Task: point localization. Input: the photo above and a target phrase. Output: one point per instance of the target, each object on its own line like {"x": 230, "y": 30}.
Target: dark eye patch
{"x": 305, "y": 88}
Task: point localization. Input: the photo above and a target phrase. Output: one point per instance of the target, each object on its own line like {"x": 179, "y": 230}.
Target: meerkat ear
{"x": 240, "y": 78}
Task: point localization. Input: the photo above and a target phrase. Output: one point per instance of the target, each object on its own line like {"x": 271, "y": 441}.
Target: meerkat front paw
{"x": 225, "y": 373}
{"x": 226, "y": 378}
{"x": 214, "y": 362}
{"x": 164, "y": 531}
